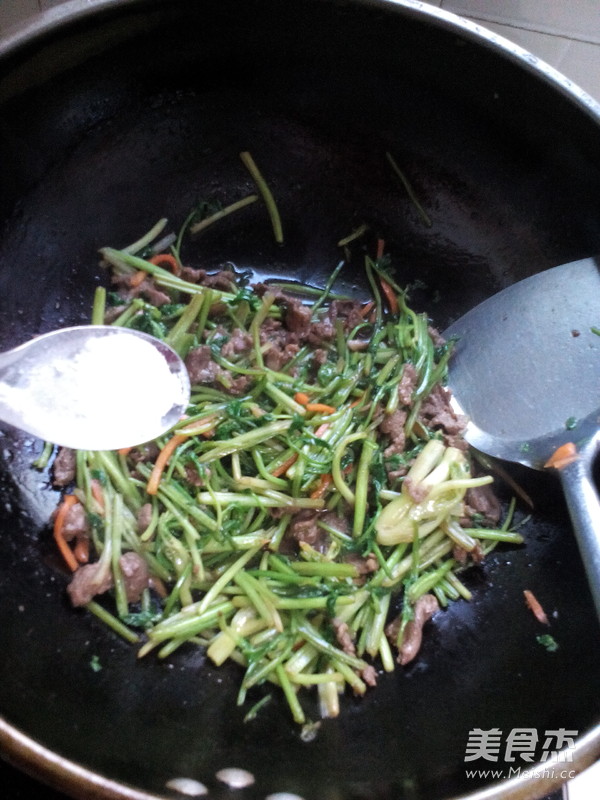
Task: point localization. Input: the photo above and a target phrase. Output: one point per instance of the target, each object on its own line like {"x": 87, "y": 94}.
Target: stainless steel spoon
{"x": 93, "y": 387}
{"x": 526, "y": 372}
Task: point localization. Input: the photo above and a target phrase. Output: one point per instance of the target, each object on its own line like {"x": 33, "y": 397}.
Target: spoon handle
{"x": 583, "y": 503}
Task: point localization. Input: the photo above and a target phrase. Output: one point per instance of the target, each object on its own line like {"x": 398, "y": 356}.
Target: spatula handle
{"x": 583, "y": 503}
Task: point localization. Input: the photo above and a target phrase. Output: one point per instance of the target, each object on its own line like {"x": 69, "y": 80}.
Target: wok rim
{"x": 41, "y": 763}
{"x": 53, "y": 18}
{"x": 20, "y": 749}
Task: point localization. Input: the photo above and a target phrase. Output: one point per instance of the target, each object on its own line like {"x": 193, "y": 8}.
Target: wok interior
{"x": 140, "y": 112}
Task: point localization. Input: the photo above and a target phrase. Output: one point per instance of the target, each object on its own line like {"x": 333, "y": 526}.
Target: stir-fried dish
{"x": 313, "y": 509}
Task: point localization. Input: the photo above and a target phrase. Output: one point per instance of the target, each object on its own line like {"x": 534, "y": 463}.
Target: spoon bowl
{"x": 93, "y": 387}
{"x": 525, "y": 372}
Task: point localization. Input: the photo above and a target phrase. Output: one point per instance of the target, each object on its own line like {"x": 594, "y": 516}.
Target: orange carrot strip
{"x": 535, "y": 606}
{"x": 162, "y": 461}
{"x": 302, "y": 398}
{"x": 562, "y": 456}
{"x": 320, "y": 408}
{"x": 367, "y": 308}
{"x": 380, "y": 249}
{"x": 137, "y": 278}
{"x": 59, "y": 538}
{"x": 390, "y": 296}
{"x": 283, "y": 468}
{"x": 166, "y": 258}
{"x": 81, "y": 551}
{"x": 324, "y": 484}
{"x": 322, "y": 429}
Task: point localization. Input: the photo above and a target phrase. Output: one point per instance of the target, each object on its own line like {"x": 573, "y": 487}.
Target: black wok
{"x": 119, "y": 116}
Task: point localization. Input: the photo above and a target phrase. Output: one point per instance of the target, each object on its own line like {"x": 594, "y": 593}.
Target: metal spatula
{"x": 526, "y": 373}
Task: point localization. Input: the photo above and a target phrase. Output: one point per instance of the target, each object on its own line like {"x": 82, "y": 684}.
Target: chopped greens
{"x": 547, "y": 641}
{"x": 317, "y": 487}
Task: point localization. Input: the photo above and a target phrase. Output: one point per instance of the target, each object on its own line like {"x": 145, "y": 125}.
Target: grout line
{"x": 529, "y": 26}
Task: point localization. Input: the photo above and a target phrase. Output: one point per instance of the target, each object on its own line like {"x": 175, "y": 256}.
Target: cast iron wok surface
{"x": 142, "y": 114}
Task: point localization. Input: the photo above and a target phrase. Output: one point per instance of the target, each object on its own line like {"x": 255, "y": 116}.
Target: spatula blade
{"x": 526, "y": 364}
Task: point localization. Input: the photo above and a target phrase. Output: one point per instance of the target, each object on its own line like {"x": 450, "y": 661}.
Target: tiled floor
{"x": 564, "y": 33}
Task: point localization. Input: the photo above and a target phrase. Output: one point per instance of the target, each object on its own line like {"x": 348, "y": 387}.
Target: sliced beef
{"x": 303, "y": 527}
{"x": 369, "y": 675}
{"x": 416, "y": 491}
{"x": 349, "y": 311}
{"x": 364, "y": 566}
{"x": 144, "y": 517}
{"x": 89, "y": 581}
{"x": 343, "y": 636}
{"x": 200, "y": 365}
{"x": 135, "y": 575}
{"x": 392, "y": 426}
{"x": 425, "y": 607}
{"x": 407, "y": 384}
{"x": 203, "y": 370}
{"x": 436, "y": 412}
{"x": 223, "y": 280}
{"x": 76, "y": 524}
{"x": 483, "y": 501}
{"x": 64, "y": 466}
{"x": 239, "y": 343}
{"x": 147, "y": 289}
{"x": 297, "y": 317}
{"x": 322, "y": 333}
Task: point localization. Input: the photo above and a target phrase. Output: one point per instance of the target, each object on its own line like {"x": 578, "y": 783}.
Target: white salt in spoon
{"x": 93, "y": 387}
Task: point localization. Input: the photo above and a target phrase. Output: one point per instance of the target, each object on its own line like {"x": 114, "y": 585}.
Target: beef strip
{"x": 425, "y": 607}
{"x": 147, "y": 289}
{"x": 483, "y": 501}
{"x": 343, "y": 636}
{"x": 76, "y": 524}
{"x": 392, "y": 426}
{"x": 239, "y": 343}
{"x": 203, "y": 370}
{"x": 303, "y": 527}
{"x": 144, "y": 517}
{"x": 364, "y": 566}
{"x": 87, "y": 582}
{"x": 63, "y": 468}
{"x": 437, "y": 413}
{"x": 407, "y": 384}
{"x": 135, "y": 575}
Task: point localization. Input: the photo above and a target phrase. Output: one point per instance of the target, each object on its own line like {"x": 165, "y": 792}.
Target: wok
{"x": 117, "y": 115}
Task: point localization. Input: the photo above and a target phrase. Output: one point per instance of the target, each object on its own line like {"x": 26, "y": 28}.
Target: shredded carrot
{"x": 390, "y": 296}
{"x": 320, "y": 408}
{"x": 562, "y": 456}
{"x": 325, "y": 482}
{"x": 166, "y": 258}
{"x": 302, "y": 398}
{"x": 322, "y": 429}
{"x": 380, "y": 248}
{"x": 367, "y": 308}
{"x": 124, "y": 451}
{"x": 59, "y": 538}
{"x": 283, "y": 468}
{"x": 162, "y": 461}
{"x": 535, "y": 606}
{"x": 81, "y": 551}
{"x": 137, "y": 278}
